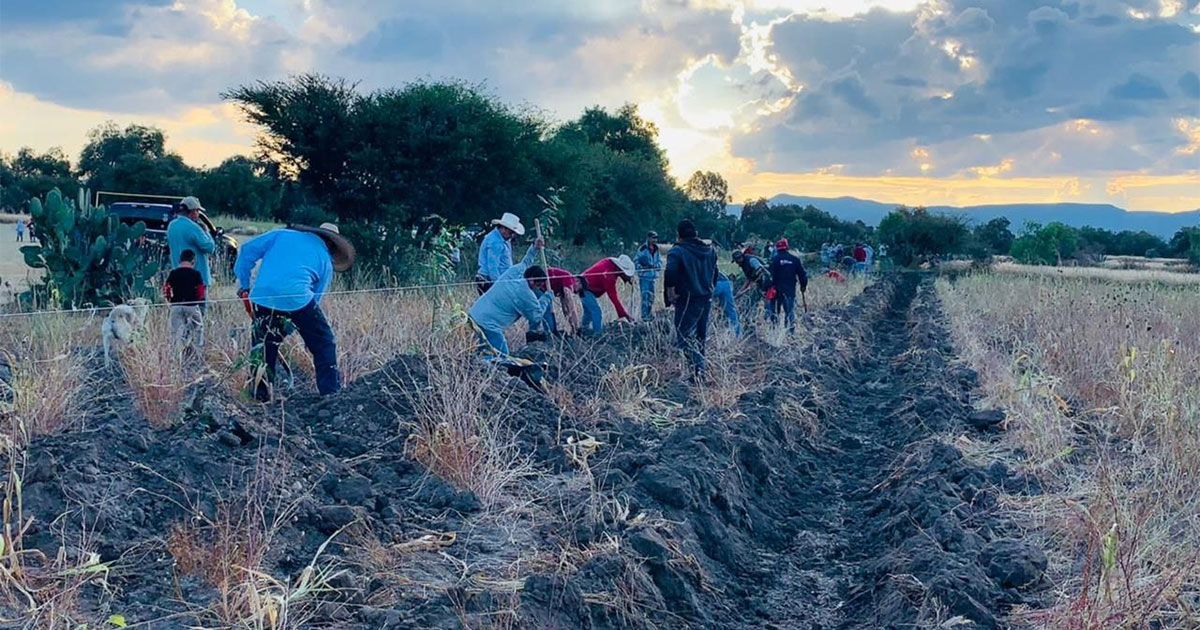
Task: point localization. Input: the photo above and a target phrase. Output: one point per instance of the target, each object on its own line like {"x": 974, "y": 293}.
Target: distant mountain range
{"x": 1105, "y": 216}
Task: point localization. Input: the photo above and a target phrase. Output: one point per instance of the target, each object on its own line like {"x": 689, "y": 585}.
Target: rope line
{"x": 439, "y": 285}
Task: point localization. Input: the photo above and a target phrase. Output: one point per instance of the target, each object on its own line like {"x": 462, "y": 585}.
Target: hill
{"x": 1105, "y": 216}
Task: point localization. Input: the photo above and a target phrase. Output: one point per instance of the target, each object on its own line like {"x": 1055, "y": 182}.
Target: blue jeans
{"x": 272, "y": 326}
{"x": 691, "y": 329}
{"x": 491, "y": 341}
{"x": 549, "y": 323}
{"x": 723, "y": 296}
{"x": 787, "y": 304}
{"x": 593, "y": 317}
{"x": 647, "y": 287}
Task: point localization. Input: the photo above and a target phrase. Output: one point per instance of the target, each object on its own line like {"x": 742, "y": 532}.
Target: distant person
{"x": 786, "y": 272}
{"x": 648, "y": 263}
{"x": 184, "y": 291}
{"x": 32, "y": 229}
{"x": 520, "y": 292}
{"x": 723, "y": 298}
{"x": 870, "y": 254}
{"x": 688, "y": 283}
{"x": 601, "y": 279}
{"x": 20, "y": 230}
{"x": 860, "y": 259}
{"x": 185, "y": 233}
{"x": 297, "y": 267}
{"x": 495, "y": 252}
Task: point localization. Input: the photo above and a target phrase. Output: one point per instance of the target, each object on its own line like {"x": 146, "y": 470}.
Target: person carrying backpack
{"x": 758, "y": 282}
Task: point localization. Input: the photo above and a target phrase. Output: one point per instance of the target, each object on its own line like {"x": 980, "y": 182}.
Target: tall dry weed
{"x": 1103, "y": 394}
{"x": 462, "y": 425}
{"x": 52, "y": 359}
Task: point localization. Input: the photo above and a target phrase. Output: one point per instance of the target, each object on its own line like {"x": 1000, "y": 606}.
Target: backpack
{"x": 764, "y": 279}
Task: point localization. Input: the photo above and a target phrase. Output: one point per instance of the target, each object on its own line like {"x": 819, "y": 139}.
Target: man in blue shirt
{"x": 495, "y": 252}
{"x": 523, "y": 291}
{"x": 297, "y": 266}
{"x": 184, "y": 232}
{"x": 648, "y": 263}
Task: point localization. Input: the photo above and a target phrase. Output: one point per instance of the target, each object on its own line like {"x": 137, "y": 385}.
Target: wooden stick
{"x": 537, "y": 225}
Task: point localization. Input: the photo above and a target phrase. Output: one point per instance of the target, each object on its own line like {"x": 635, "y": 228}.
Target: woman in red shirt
{"x": 601, "y": 279}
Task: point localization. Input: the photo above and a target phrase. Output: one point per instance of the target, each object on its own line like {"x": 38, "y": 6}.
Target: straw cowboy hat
{"x": 510, "y": 221}
{"x": 625, "y": 264}
{"x": 340, "y": 249}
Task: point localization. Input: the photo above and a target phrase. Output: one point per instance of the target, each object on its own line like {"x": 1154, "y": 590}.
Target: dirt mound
{"x": 745, "y": 519}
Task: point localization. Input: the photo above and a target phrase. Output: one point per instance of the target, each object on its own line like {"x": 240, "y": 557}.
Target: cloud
{"x": 1138, "y": 87}
{"x": 879, "y": 83}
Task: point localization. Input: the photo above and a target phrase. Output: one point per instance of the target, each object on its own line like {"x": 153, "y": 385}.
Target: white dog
{"x": 122, "y": 322}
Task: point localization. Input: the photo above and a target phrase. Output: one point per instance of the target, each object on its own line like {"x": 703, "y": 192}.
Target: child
{"x": 185, "y": 291}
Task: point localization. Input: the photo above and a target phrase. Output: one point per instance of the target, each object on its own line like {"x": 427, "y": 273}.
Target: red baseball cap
{"x": 782, "y": 244}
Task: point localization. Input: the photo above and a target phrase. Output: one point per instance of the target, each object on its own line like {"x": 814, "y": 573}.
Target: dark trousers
{"x": 272, "y": 326}
{"x": 691, "y": 328}
{"x": 787, "y": 304}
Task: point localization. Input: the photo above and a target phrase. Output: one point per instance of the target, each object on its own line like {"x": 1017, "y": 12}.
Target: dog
{"x": 122, "y": 322}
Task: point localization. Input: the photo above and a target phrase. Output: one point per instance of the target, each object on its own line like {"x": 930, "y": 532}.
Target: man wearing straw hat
{"x": 297, "y": 266}
{"x": 495, "y": 252}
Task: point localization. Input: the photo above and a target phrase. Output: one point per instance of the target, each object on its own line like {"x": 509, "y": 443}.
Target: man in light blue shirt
{"x": 297, "y": 265}
{"x": 523, "y": 291}
{"x": 184, "y": 232}
{"x": 495, "y": 252}
{"x": 648, "y": 263}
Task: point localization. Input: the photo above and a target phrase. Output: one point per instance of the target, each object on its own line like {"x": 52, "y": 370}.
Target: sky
{"x": 922, "y": 102}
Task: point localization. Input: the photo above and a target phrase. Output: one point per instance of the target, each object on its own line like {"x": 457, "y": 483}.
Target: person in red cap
{"x": 786, "y": 272}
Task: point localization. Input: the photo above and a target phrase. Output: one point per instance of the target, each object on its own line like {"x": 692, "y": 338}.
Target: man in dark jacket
{"x": 786, "y": 272}
{"x": 688, "y": 286}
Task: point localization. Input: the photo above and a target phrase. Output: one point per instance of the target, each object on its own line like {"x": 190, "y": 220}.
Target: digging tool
{"x": 804, "y": 300}
{"x": 537, "y": 226}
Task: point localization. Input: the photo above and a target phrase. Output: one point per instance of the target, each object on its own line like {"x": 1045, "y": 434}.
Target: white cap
{"x": 331, "y": 227}
{"x": 510, "y": 221}
{"x": 190, "y": 204}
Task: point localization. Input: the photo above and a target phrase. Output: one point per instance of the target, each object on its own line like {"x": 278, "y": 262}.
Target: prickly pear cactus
{"x": 90, "y": 258}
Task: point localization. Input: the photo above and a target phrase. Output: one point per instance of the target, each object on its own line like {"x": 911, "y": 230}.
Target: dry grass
{"x": 49, "y": 356}
{"x": 231, "y": 551}
{"x": 157, "y": 373}
{"x": 461, "y": 423}
{"x": 1163, "y": 275}
{"x": 1103, "y": 390}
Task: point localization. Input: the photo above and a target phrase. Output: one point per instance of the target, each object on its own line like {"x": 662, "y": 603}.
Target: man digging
{"x": 297, "y": 266}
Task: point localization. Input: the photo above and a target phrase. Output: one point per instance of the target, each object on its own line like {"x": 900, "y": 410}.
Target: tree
{"x": 1186, "y": 244}
{"x": 133, "y": 160}
{"x": 708, "y": 196}
{"x": 622, "y": 132}
{"x": 240, "y": 187}
{"x": 1045, "y": 245}
{"x": 915, "y": 234}
{"x": 30, "y": 174}
{"x": 995, "y": 237}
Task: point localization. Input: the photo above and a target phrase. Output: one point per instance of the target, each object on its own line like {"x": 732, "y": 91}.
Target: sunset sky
{"x": 933, "y": 102}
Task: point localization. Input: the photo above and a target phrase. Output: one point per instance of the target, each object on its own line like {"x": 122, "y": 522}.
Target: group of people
{"x": 295, "y": 268}
{"x": 26, "y": 224}
{"x": 855, "y": 260}
{"x": 692, "y": 284}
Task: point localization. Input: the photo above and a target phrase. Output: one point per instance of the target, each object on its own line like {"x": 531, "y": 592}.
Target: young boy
{"x": 185, "y": 291}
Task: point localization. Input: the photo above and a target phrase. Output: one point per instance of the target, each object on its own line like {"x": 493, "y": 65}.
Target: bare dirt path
{"x": 900, "y": 531}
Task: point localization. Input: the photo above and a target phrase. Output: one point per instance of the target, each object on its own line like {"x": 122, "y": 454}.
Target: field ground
{"x": 793, "y": 487}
